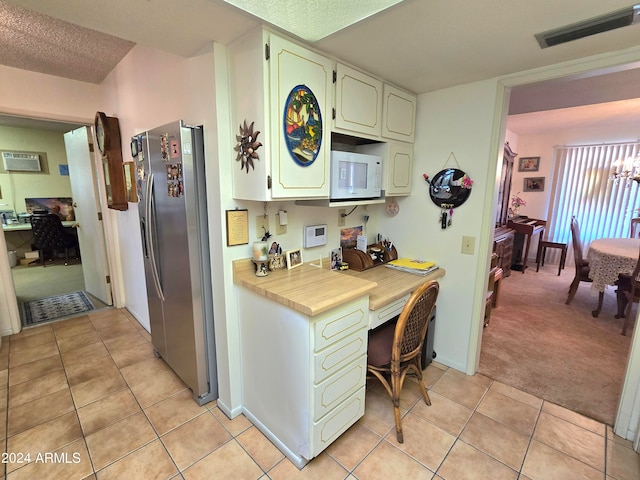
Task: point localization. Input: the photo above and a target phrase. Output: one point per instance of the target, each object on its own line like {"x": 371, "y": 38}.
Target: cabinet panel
{"x": 340, "y": 322}
{"x": 338, "y": 355}
{"x": 378, "y": 317}
{"x": 399, "y": 167}
{"x": 292, "y": 66}
{"x": 399, "y": 114}
{"x": 358, "y": 101}
{"x": 338, "y": 421}
{"x": 339, "y": 387}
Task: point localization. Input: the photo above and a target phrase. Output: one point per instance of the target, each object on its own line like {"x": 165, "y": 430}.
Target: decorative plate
{"x": 450, "y": 188}
{"x": 392, "y": 208}
{"x": 302, "y": 125}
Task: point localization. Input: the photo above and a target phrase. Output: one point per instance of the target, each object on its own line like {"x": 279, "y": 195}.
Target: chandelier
{"x": 627, "y": 169}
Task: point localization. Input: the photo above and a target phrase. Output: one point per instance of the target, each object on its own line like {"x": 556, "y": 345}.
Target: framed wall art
{"x": 529, "y": 164}
{"x": 534, "y": 184}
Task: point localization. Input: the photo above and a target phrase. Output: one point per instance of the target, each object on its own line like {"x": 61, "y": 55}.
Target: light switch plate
{"x": 468, "y": 245}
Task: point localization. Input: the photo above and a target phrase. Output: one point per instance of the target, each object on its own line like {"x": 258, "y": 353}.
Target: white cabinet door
{"x": 300, "y": 83}
{"x": 399, "y": 168}
{"x": 358, "y": 102}
{"x": 398, "y": 114}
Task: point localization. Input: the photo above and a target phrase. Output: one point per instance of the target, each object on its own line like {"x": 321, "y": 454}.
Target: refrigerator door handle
{"x": 151, "y": 225}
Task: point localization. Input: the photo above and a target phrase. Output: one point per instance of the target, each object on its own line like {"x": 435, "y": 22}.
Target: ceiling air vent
{"x": 21, "y": 162}
{"x": 604, "y": 23}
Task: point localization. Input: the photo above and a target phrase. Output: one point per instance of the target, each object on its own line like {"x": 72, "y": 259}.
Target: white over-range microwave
{"x": 355, "y": 176}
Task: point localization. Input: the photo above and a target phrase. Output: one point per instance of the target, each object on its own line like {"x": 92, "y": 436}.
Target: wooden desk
{"x": 18, "y": 236}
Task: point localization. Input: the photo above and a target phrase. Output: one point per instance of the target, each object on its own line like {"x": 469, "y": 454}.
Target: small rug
{"x": 58, "y": 306}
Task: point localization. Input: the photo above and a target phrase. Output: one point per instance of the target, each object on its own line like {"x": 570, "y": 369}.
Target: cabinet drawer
{"x": 340, "y": 322}
{"x": 341, "y": 353}
{"x": 337, "y": 421}
{"x": 378, "y": 317}
{"x": 339, "y": 387}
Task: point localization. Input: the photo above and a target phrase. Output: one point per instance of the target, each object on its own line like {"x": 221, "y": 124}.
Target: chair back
{"x": 48, "y": 232}
{"x": 412, "y": 325}
{"x": 577, "y": 246}
{"x": 635, "y": 228}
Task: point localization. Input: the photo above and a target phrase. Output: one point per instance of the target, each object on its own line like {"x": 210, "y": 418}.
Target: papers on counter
{"x": 419, "y": 267}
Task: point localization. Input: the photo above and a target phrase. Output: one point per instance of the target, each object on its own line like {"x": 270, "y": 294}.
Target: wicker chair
{"x": 635, "y": 228}
{"x": 628, "y": 292}
{"x": 582, "y": 265}
{"x": 395, "y": 348}
{"x": 49, "y": 235}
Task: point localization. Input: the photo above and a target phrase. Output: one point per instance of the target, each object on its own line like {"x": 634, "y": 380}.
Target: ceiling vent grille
{"x": 575, "y": 31}
{"x": 21, "y": 162}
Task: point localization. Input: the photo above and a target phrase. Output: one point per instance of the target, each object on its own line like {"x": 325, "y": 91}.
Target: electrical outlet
{"x": 262, "y": 225}
{"x": 341, "y": 217}
{"x": 468, "y": 245}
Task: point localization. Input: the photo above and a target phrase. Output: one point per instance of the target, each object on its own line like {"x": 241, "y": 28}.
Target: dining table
{"x": 609, "y": 257}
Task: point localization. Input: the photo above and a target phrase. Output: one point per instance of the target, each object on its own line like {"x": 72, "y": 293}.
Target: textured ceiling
{"x": 419, "y": 45}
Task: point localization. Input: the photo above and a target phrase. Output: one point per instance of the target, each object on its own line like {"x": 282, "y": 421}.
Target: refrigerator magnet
{"x": 175, "y": 149}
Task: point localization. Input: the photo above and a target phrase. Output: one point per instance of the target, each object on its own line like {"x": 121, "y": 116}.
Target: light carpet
{"x": 557, "y": 352}
{"x": 58, "y": 306}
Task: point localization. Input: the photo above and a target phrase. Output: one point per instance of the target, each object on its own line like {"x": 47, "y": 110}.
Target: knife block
{"x": 359, "y": 260}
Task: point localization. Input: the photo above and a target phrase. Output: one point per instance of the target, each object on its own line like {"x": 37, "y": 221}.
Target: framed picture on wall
{"x": 529, "y": 164}
{"x": 534, "y": 184}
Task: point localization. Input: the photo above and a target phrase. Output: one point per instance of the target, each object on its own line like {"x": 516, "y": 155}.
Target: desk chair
{"x": 395, "y": 348}
{"x": 582, "y": 265}
{"x": 628, "y": 292}
{"x": 49, "y": 235}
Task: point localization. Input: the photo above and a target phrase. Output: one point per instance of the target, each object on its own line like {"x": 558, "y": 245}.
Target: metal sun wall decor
{"x": 449, "y": 189}
{"x": 302, "y": 125}
{"x": 247, "y": 146}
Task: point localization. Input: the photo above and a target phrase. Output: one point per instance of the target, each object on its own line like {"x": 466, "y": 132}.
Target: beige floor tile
{"x": 443, "y": 413}
{"x": 120, "y": 328}
{"x": 320, "y": 468}
{"x": 150, "y": 461}
{"x": 107, "y": 410}
{"x": 622, "y": 463}
{"x": 97, "y": 388}
{"x": 26, "y": 332}
{"x": 510, "y": 412}
{"x": 234, "y": 426}
{"x": 4, "y": 378}
{"x": 90, "y": 369}
{"x": 174, "y": 411}
{"x": 157, "y": 388}
{"x": 124, "y": 341}
{"x": 77, "y": 341}
{"x": 133, "y": 354}
{"x": 195, "y": 439}
{"x": 119, "y": 439}
{"x": 263, "y": 452}
{"x": 84, "y": 354}
{"x": 459, "y": 388}
{"x": 575, "y": 418}
{"x": 543, "y": 462}
{"x": 432, "y": 373}
{"x": 40, "y": 410}
{"x": 68, "y": 331}
{"x": 33, "y": 341}
{"x": 423, "y": 441}
{"x": 516, "y": 394}
{"x": 496, "y": 439}
{"x": 386, "y": 462}
{"x": 571, "y": 439}
{"x": 228, "y": 461}
{"x": 612, "y": 437}
{"x": 466, "y": 462}
{"x": 32, "y": 354}
{"x": 378, "y": 414}
{"x": 4, "y": 399}
{"x": 38, "y": 387}
{"x": 70, "y": 462}
{"x": 70, "y": 322}
{"x": 108, "y": 319}
{"x": 138, "y": 372}
{"x": 36, "y": 369}
{"x": 353, "y": 446}
{"x": 46, "y": 437}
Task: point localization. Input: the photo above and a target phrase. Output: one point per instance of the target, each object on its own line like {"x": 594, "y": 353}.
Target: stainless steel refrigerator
{"x": 170, "y": 181}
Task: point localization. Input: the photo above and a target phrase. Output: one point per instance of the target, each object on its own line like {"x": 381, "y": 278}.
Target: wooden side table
{"x": 542, "y": 250}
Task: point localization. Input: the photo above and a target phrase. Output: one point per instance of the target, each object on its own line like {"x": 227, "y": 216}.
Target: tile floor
{"x": 86, "y": 398}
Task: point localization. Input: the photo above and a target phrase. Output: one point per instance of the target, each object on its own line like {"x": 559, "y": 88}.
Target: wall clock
{"x": 107, "y": 131}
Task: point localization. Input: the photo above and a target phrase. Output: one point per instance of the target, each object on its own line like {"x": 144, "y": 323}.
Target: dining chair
{"x": 627, "y": 294}
{"x": 582, "y": 265}
{"x": 635, "y": 228}
{"x": 395, "y": 349}
{"x": 49, "y": 235}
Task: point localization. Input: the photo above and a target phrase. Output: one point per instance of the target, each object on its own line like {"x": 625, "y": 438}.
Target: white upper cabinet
{"x": 358, "y": 102}
{"x": 398, "y": 166}
{"x": 399, "y": 114}
{"x": 284, "y": 90}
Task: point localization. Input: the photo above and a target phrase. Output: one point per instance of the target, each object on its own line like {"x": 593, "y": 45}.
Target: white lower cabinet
{"x": 303, "y": 377}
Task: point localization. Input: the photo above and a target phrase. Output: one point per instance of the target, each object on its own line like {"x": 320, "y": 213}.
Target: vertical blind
{"x": 602, "y": 206}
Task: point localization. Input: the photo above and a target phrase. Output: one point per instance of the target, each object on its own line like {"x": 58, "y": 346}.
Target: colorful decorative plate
{"x": 302, "y": 125}
{"x": 450, "y": 188}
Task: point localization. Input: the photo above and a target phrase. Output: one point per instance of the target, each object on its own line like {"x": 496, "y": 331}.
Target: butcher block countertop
{"x": 311, "y": 290}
